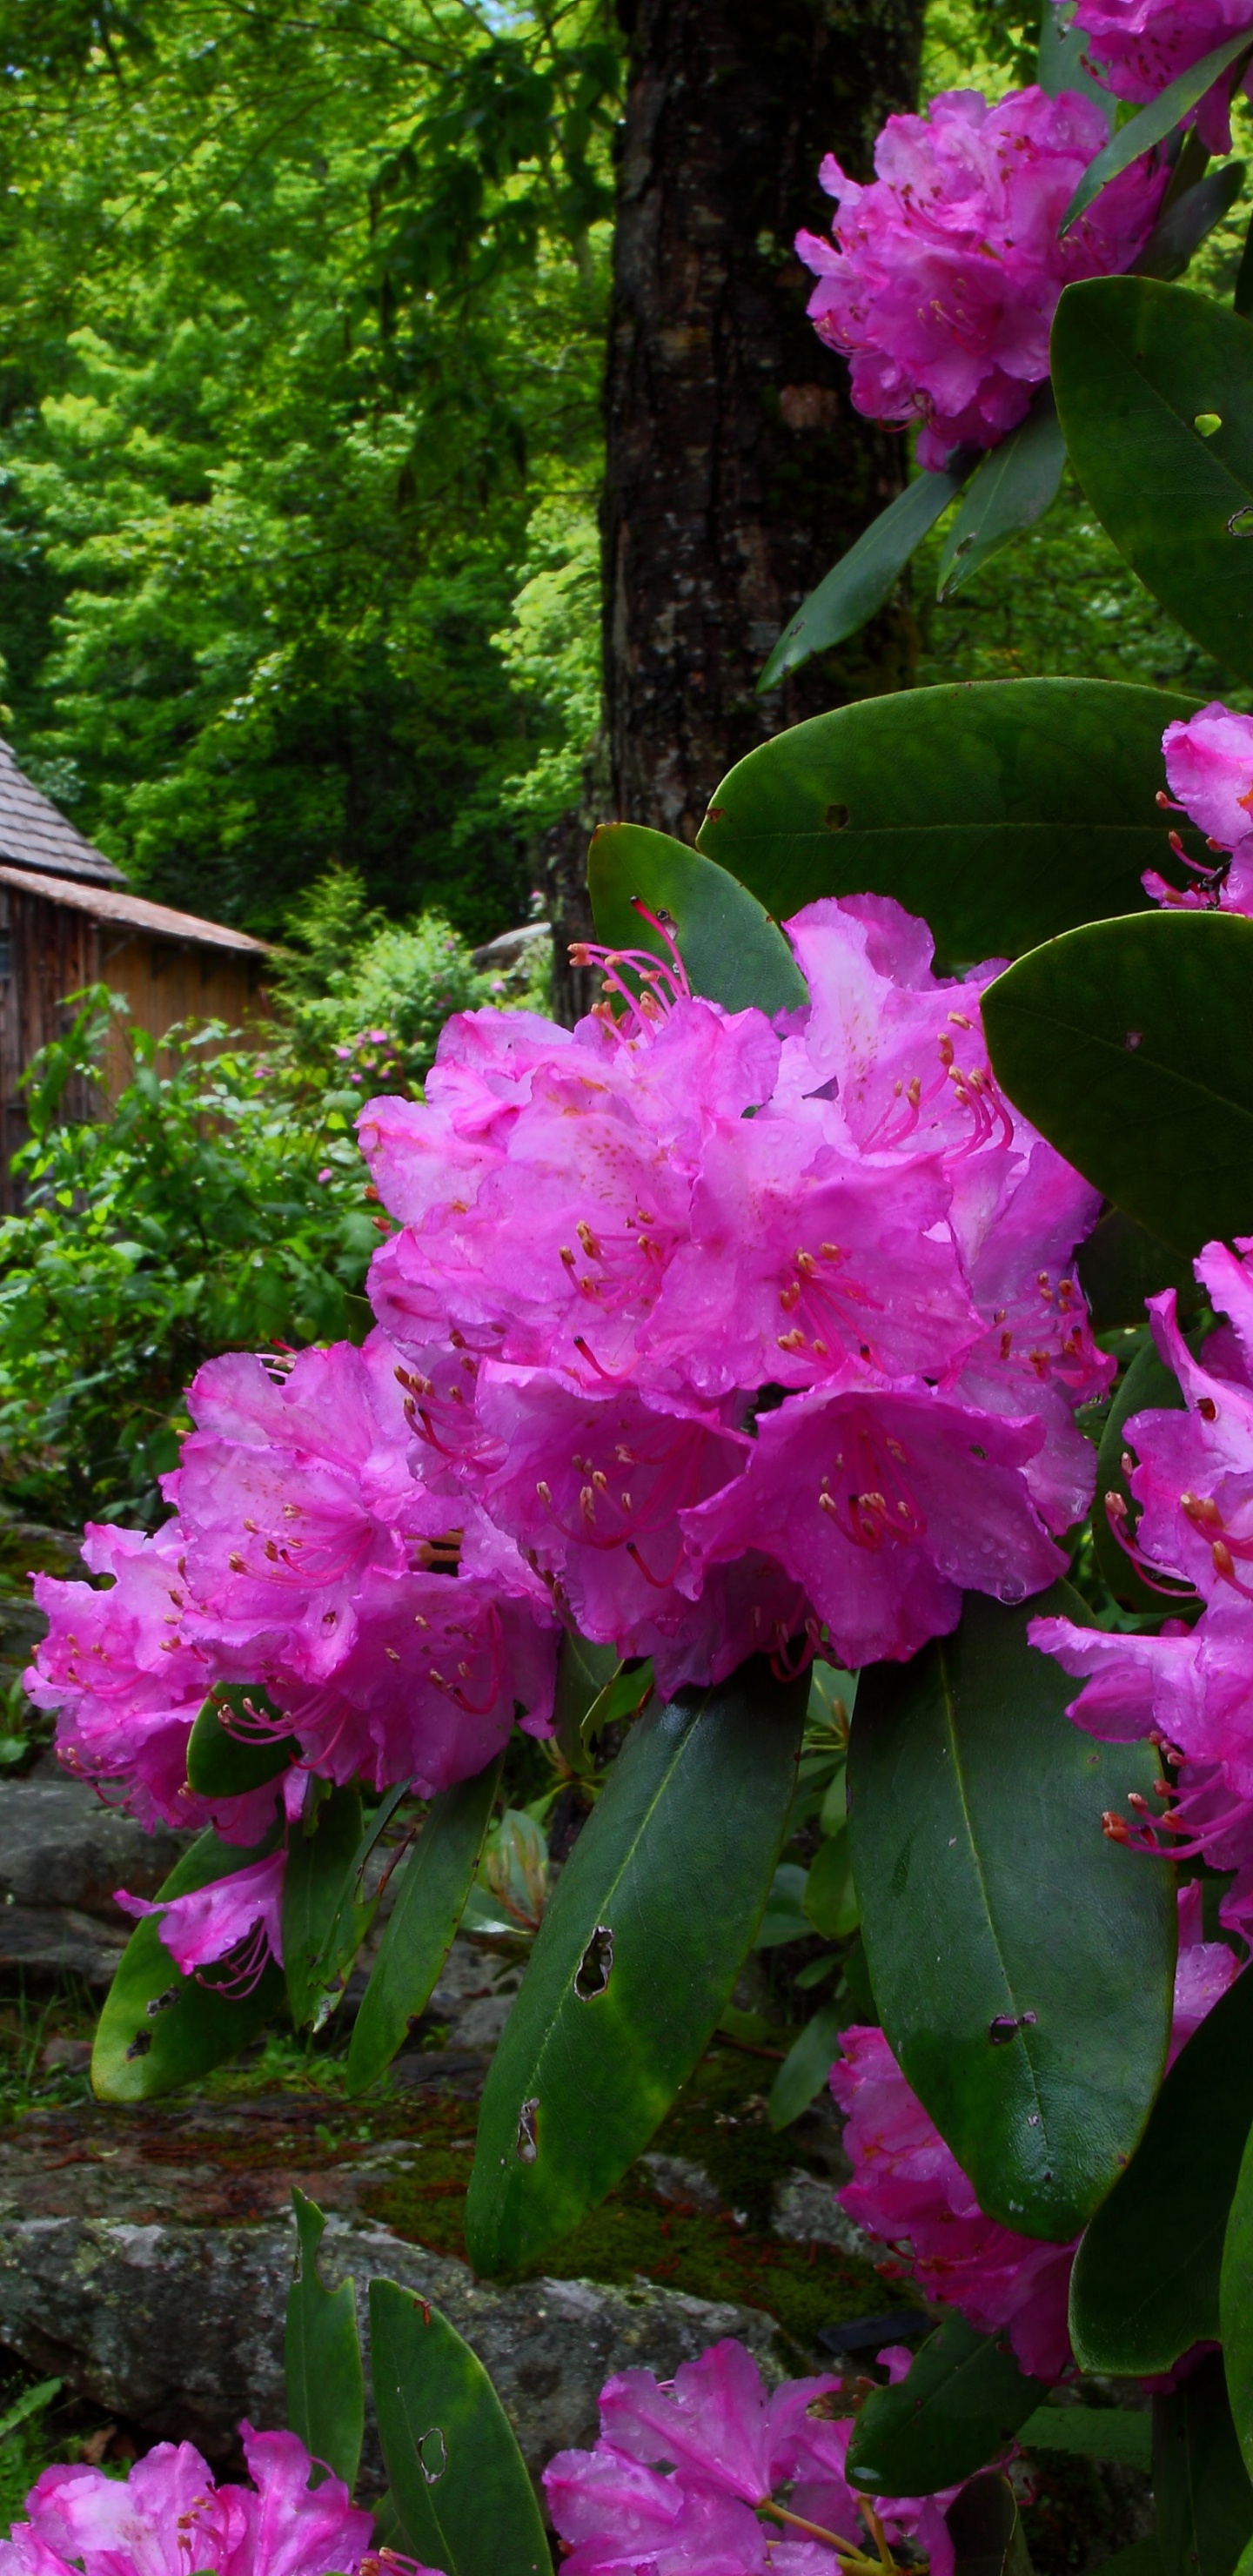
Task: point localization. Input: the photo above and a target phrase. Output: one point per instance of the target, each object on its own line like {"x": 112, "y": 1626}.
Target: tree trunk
{"x": 737, "y": 471}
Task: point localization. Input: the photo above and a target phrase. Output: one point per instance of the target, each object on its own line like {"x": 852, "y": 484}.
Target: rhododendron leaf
{"x": 1235, "y": 2304}
{"x": 1153, "y": 123}
{"x": 159, "y": 2028}
{"x": 1059, "y": 58}
{"x": 1128, "y": 1044}
{"x": 456, "y": 2475}
{"x": 830, "y": 1898}
{"x": 805, "y": 2068}
{"x": 430, "y": 1900}
{"x": 1182, "y": 226}
{"x": 1003, "y": 811}
{"x": 584, "y": 1672}
{"x": 732, "y": 950}
{"x": 1136, "y": 366}
{"x": 323, "y": 1922}
{"x": 1121, "y": 1264}
{"x": 325, "y": 2381}
{"x": 1012, "y": 489}
{"x": 1129, "y": 2315}
{"x": 1200, "y": 2484}
{"x": 984, "y": 2528}
{"x": 1091, "y": 2433}
{"x": 960, "y": 2402}
{"x": 226, "y": 1759}
{"x": 784, "y": 1918}
{"x": 636, "y": 1956}
{"x": 862, "y": 579}
{"x": 1148, "y": 1382}
{"x": 1034, "y": 2031}
{"x": 622, "y": 1698}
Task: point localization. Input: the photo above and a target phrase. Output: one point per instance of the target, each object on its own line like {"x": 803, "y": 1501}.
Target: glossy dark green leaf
{"x": 984, "y": 2528}
{"x": 325, "y": 2381}
{"x": 960, "y": 2402}
{"x": 1002, "y": 811}
{"x": 455, "y": 2473}
{"x": 621, "y": 1700}
{"x": 323, "y": 1922}
{"x": 430, "y": 1900}
{"x": 1121, "y": 1265}
{"x": 224, "y": 1760}
{"x": 1013, "y": 488}
{"x": 1136, "y": 365}
{"x": 1130, "y": 1045}
{"x": 1091, "y": 2433}
{"x": 862, "y": 579}
{"x": 1148, "y": 1383}
{"x": 636, "y": 1957}
{"x": 1132, "y": 2315}
{"x": 584, "y": 1671}
{"x": 805, "y": 2069}
{"x": 830, "y": 1898}
{"x": 158, "y": 2028}
{"x": 1059, "y": 59}
{"x": 1184, "y": 223}
{"x": 1034, "y": 2032}
{"x": 1200, "y": 2484}
{"x": 784, "y": 1917}
{"x": 1140, "y": 2558}
{"x": 1153, "y": 123}
{"x": 1235, "y": 2304}
{"x": 731, "y": 949}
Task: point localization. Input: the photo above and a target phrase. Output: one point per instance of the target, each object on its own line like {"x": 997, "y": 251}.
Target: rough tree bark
{"x": 736, "y": 468}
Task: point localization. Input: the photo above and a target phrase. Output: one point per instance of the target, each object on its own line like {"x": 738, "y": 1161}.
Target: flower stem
{"x": 846, "y": 2550}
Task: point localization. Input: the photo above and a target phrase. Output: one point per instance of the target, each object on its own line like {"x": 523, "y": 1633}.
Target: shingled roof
{"x": 34, "y": 835}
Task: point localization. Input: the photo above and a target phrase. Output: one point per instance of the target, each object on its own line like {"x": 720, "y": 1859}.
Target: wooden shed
{"x": 66, "y": 920}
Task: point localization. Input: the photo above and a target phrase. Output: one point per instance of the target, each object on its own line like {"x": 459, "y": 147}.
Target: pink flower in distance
{"x": 909, "y": 2190}
{"x": 239, "y": 1918}
{"x": 1189, "y": 1687}
{"x": 1137, "y": 47}
{"x": 169, "y": 2514}
{"x": 1209, "y": 766}
{"x": 129, "y": 1682}
{"x": 945, "y": 272}
{"x": 680, "y": 2474}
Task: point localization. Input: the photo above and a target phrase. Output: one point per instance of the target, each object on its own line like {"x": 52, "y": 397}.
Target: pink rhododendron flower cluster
{"x": 681, "y": 2474}
{"x": 727, "y": 1379}
{"x": 1137, "y": 47}
{"x": 1191, "y": 1687}
{"x": 1209, "y": 764}
{"x": 909, "y": 2189}
{"x": 946, "y": 270}
{"x": 169, "y": 2515}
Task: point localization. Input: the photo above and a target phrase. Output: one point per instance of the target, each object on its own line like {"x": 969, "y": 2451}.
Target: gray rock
{"x": 512, "y": 947}
{"x": 180, "y": 2328}
{"x": 677, "y": 2179}
{"x": 21, "y": 1628}
{"x": 806, "y": 2212}
{"x": 60, "y": 1846}
{"x": 59, "y": 1941}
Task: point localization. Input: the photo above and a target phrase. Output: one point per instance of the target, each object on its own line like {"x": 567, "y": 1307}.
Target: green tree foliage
{"x": 265, "y": 492}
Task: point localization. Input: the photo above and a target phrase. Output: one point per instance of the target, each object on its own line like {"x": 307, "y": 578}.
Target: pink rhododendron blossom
{"x": 1209, "y": 766}
{"x": 239, "y": 1918}
{"x": 1138, "y": 47}
{"x": 1191, "y": 1686}
{"x": 909, "y": 2189}
{"x": 129, "y": 1682}
{"x": 945, "y": 272}
{"x": 730, "y": 1380}
{"x": 169, "y": 2514}
{"x": 681, "y": 2473}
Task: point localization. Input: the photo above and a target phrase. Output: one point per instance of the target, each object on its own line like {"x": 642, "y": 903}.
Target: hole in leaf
{"x": 1240, "y": 524}
{"x": 963, "y": 546}
{"x": 592, "y": 1974}
{"x": 433, "y": 2455}
{"x": 140, "y": 2044}
{"x": 528, "y": 2139}
{"x": 1132, "y": 1040}
{"x": 161, "y": 2003}
{"x": 1207, "y": 422}
{"x": 836, "y": 817}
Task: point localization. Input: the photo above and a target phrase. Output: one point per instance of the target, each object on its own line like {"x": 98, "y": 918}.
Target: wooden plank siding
{"x": 167, "y": 966}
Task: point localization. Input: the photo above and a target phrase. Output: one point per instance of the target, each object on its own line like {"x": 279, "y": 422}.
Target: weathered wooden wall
{"x": 49, "y": 950}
